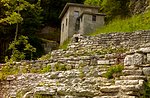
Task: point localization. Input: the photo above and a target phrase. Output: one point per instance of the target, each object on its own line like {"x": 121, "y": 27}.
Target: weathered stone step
{"x": 132, "y": 72}
{"x": 106, "y": 97}
{"x": 125, "y": 96}
{"x": 127, "y": 82}
{"x": 109, "y": 89}
{"x": 131, "y": 68}
{"x": 133, "y": 88}
{"x": 132, "y": 77}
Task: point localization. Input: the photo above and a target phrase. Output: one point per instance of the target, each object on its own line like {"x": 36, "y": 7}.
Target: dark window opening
{"x": 93, "y": 17}
{"x": 76, "y": 14}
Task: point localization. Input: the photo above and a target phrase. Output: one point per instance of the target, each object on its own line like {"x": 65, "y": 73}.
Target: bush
{"x": 114, "y": 71}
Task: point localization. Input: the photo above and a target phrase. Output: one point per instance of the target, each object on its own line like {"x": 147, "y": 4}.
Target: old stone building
{"x": 79, "y": 18}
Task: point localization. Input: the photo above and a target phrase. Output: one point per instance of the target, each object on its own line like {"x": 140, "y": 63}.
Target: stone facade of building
{"x": 78, "y": 18}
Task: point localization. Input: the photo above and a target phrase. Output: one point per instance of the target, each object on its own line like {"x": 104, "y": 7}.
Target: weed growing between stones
{"x": 114, "y": 71}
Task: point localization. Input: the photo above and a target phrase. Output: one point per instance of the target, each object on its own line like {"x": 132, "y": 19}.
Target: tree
{"x": 93, "y": 2}
{"x": 13, "y": 10}
{"x": 116, "y": 8}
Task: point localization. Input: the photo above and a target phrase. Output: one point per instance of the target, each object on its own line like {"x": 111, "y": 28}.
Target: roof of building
{"x": 76, "y": 5}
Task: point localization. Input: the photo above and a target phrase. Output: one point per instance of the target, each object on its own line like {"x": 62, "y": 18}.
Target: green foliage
{"x": 65, "y": 44}
{"x": 60, "y": 67}
{"x": 114, "y": 71}
{"x": 45, "y": 57}
{"x": 46, "y": 69}
{"x": 137, "y": 22}
{"x": 147, "y": 90}
{"x": 19, "y": 49}
{"x": 8, "y": 70}
{"x": 93, "y": 2}
{"x": 115, "y": 8}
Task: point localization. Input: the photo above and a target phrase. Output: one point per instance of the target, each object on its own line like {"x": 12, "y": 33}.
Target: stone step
{"x": 133, "y": 93}
{"x": 131, "y": 68}
{"x": 131, "y": 88}
{"x": 132, "y": 77}
{"x": 106, "y": 97}
{"x": 126, "y": 96}
{"x": 109, "y": 89}
{"x": 132, "y": 72}
{"x": 127, "y": 82}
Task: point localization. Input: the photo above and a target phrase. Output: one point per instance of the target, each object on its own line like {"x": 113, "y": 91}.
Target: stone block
{"x": 103, "y": 62}
{"x": 146, "y": 71}
{"x": 148, "y": 57}
{"x": 109, "y": 89}
{"x": 132, "y": 72}
{"x": 127, "y": 82}
{"x": 145, "y": 50}
{"x": 135, "y": 59}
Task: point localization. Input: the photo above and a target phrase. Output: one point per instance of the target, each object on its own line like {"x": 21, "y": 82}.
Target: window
{"x": 93, "y": 17}
{"x": 76, "y": 14}
{"x": 63, "y": 28}
{"x": 66, "y": 21}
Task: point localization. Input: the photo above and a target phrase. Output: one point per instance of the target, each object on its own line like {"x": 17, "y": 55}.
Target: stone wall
{"x": 85, "y": 66}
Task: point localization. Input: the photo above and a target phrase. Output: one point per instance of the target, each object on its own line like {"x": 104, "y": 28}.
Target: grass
{"x": 45, "y": 57}
{"x": 134, "y": 23}
{"x": 114, "y": 71}
{"x": 65, "y": 44}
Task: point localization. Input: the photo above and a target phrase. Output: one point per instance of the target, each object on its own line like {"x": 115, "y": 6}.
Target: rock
{"x": 146, "y": 71}
{"x": 108, "y": 89}
{"x": 148, "y": 58}
{"x": 135, "y": 59}
{"x": 126, "y": 82}
{"x": 145, "y": 50}
{"x": 11, "y": 78}
{"x": 132, "y": 72}
{"x": 103, "y": 62}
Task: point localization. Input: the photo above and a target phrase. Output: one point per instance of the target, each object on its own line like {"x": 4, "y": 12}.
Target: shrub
{"x": 114, "y": 71}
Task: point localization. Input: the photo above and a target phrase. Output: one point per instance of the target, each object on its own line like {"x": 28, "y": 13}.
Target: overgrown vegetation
{"x": 147, "y": 90}
{"x": 114, "y": 71}
{"x": 45, "y": 57}
{"x": 137, "y": 22}
{"x": 65, "y": 44}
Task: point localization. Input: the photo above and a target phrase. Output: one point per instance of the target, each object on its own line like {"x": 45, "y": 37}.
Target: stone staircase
{"x": 88, "y": 62}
